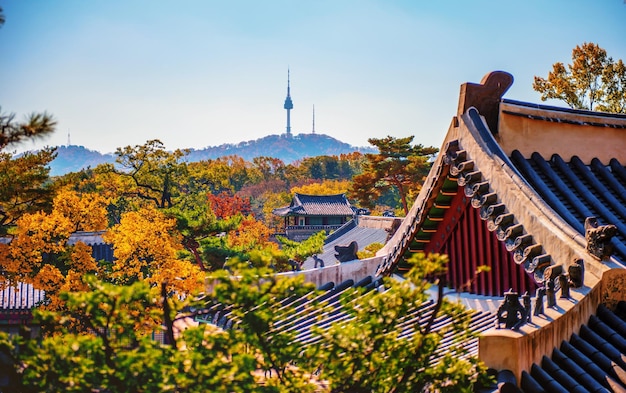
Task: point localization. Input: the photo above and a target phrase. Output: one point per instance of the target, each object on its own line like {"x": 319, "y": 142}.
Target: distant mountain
{"x": 287, "y": 148}
{"x": 74, "y": 158}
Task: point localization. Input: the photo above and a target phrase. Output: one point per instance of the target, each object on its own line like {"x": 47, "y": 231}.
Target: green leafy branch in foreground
{"x": 103, "y": 342}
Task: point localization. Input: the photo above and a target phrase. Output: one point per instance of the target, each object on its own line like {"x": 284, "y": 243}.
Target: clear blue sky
{"x": 198, "y": 73}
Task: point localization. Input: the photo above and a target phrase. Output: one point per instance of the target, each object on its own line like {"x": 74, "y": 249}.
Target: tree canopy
{"x": 24, "y": 186}
{"x": 155, "y": 174}
{"x": 108, "y": 345}
{"x": 593, "y": 81}
{"x": 398, "y": 165}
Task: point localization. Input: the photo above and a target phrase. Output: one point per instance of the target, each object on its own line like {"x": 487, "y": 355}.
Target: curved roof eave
{"x": 562, "y": 243}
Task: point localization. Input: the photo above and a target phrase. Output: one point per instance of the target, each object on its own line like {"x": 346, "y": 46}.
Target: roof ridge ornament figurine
{"x": 576, "y": 273}
{"x": 347, "y": 253}
{"x": 511, "y": 312}
{"x": 599, "y": 238}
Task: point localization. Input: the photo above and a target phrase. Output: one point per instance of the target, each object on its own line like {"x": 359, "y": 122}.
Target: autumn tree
{"x": 233, "y": 232}
{"x": 249, "y": 235}
{"x": 228, "y": 173}
{"x": 225, "y": 205}
{"x": 270, "y": 168}
{"x": 145, "y": 246}
{"x": 153, "y": 174}
{"x": 165, "y": 179}
{"x": 330, "y": 167}
{"x": 325, "y": 187}
{"x": 351, "y": 164}
{"x": 40, "y": 251}
{"x": 197, "y": 221}
{"x": 270, "y": 201}
{"x": 86, "y": 211}
{"x": 24, "y": 185}
{"x": 398, "y": 165}
{"x": 593, "y": 81}
{"x": 108, "y": 352}
{"x": 209, "y": 176}
{"x": 321, "y": 167}
{"x": 112, "y": 349}
{"x": 241, "y": 173}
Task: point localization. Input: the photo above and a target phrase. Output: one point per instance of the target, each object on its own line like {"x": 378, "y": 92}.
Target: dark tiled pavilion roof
{"x": 317, "y": 205}
{"x": 577, "y": 191}
{"x": 364, "y": 236}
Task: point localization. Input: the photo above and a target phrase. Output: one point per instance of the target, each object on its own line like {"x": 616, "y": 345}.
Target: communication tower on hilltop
{"x": 313, "y": 131}
{"x": 288, "y": 106}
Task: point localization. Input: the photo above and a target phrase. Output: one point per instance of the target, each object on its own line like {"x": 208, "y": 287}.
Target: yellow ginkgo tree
{"x": 40, "y": 251}
{"x": 145, "y": 247}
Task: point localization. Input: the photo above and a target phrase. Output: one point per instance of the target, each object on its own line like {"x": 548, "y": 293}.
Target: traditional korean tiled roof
{"x": 317, "y": 205}
{"x": 89, "y": 238}
{"x": 592, "y": 360}
{"x": 364, "y": 236}
{"x": 576, "y": 190}
{"x": 24, "y": 297}
{"x": 333, "y": 310}
{"x": 99, "y": 249}
{"x": 20, "y": 297}
{"x": 512, "y": 189}
{"x": 567, "y": 189}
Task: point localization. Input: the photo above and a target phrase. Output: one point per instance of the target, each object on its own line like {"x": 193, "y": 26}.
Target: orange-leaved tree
{"x": 325, "y": 187}
{"x": 41, "y": 252}
{"x": 225, "y": 205}
{"x": 145, "y": 246}
{"x": 593, "y": 81}
{"x": 86, "y": 211}
{"x": 250, "y": 235}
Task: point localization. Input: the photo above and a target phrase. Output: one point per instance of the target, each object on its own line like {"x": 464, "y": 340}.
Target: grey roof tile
{"x": 317, "y": 205}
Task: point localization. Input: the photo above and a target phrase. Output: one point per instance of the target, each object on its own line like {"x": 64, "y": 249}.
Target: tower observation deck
{"x": 288, "y": 105}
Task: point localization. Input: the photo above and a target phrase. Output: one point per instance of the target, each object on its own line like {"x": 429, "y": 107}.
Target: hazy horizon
{"x": 205, "y": 73}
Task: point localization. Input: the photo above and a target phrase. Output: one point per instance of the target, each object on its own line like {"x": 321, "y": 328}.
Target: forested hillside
{"x": 287, "y": 149}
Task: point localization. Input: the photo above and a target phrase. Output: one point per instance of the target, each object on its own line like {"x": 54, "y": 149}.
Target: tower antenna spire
{"x": 288, "y": 104}
{"x": 313, "y": 119}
